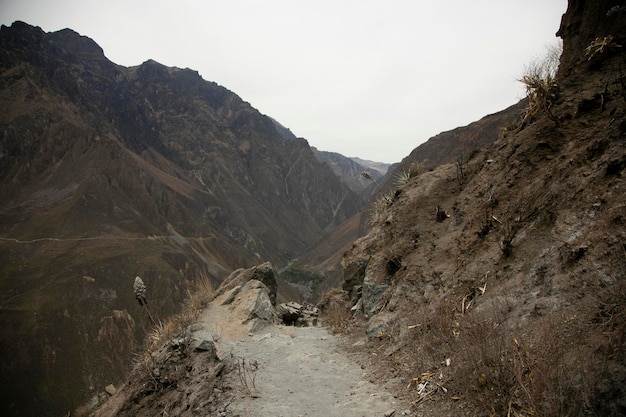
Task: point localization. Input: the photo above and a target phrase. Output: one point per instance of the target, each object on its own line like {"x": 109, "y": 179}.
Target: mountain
{"x": 108, "y": 173}
{"x": 373, "y": 166}
{"x": 324, "y": 258}
{"x": 494, "y": 284}
{"x": 502, "y": 290}
{"x": 349, "y": 171}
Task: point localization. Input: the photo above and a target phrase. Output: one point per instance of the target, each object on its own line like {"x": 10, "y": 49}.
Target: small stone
{"x": 110, "y": 389}
{"x": 206, "y": 346}
{"x": 390, "y": 413}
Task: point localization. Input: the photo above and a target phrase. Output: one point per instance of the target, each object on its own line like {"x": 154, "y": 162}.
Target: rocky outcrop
{"x": 250, "y": 295}
{"x": 183, "y": 373}
{"x": 296, "y": 314}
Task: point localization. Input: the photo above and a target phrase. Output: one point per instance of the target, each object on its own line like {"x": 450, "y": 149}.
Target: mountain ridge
{"x": 110, "y": 172}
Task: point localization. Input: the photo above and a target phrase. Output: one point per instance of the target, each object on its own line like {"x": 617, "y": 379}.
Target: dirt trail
{"x": 301, "y": 371}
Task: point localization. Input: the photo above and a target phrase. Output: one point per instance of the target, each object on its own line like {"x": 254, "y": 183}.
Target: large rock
{"x": 373, "y": 294}
{"x": 263, "y": 273}
{"x": 295, "y": 314}
{"x": 379, "y": 325}
{"x": 250, "y": 295}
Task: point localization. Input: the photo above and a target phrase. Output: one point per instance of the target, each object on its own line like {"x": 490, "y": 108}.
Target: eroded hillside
{"x": 499, "y": 288}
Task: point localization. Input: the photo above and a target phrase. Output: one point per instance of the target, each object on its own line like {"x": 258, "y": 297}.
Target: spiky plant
{"x": 368, "y": 176}
{"x": 140, "y": 291}
{"x": 403, "y": 177}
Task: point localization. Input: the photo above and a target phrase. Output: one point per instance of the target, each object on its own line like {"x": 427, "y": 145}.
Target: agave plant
{"x": 403, "y": 177}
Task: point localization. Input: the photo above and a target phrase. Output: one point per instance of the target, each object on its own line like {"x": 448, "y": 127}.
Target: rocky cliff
{"x": 109, "y": 172}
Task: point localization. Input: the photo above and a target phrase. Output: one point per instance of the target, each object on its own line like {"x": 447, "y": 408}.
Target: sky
{"x": 371, "y": 79}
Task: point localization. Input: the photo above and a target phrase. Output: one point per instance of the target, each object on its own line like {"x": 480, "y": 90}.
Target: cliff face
{"x": 109, "y": 172}
{"x": 503, "y": 292}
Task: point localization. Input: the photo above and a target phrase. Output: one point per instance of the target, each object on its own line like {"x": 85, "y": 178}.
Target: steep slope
{"x": 349, "y": 171}
{"x": 456, "y": 145}
{"x": 109, "y": 172}
{"x": 322, "y": 263}
{"x": 512, "y": 302}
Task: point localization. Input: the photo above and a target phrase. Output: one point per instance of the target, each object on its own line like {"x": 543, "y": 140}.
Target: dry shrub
{"x": 552, "y": 371}
{"x": 335, "y": 306}
{"x": 428, "y": 340}
{"x": 379, "y": 208}
{"x": 416, "y": 169}
{"x": 601, "y": 45}
{"x": 541, "y": 84}
{"x": 564, "y": 365}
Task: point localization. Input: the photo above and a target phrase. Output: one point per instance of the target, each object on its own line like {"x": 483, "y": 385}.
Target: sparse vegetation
{"x": 368, "y": 176}
{"x": 247, "y": 375}
{"x": 140, "y": 290}
{"x": 199, "y": 293}
{"x": 379, "y": 206}
{"x": 540, "y": 81}
{"x": 600, "y": 46}
{"x": 402, "y": 177}
{"x": 416, "y": 169}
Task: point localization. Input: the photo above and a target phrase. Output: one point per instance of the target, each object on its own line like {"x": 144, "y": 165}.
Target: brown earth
{"x": 513, "y": 301}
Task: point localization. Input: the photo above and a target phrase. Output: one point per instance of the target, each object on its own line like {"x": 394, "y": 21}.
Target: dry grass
{"x": 199, "y": 293}
{"x": 600, "y": 46}
{"x": 379, "y": 208}
{"x": 558, "y": 369}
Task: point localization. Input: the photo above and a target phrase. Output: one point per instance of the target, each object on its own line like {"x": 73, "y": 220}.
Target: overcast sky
{"x": 372, "y": 79}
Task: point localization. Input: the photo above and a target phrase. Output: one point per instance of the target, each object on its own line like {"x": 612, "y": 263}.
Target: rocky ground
{"x": 299, "y": 371}
{"x": 239, "y": 360}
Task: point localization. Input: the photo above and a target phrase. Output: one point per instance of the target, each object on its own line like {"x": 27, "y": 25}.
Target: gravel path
{"x": 286, "y": 371}
{"x": 302, "y": 372}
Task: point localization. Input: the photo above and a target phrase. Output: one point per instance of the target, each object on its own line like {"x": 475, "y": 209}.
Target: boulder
{"x": 207, "y": 346}
{"x": 110, "y": 389}
{"x": 379, "y": 324}
{"x": 263, "y": 273}
{"x": 250, "y": 295}
{"x": 289, "y": 313}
